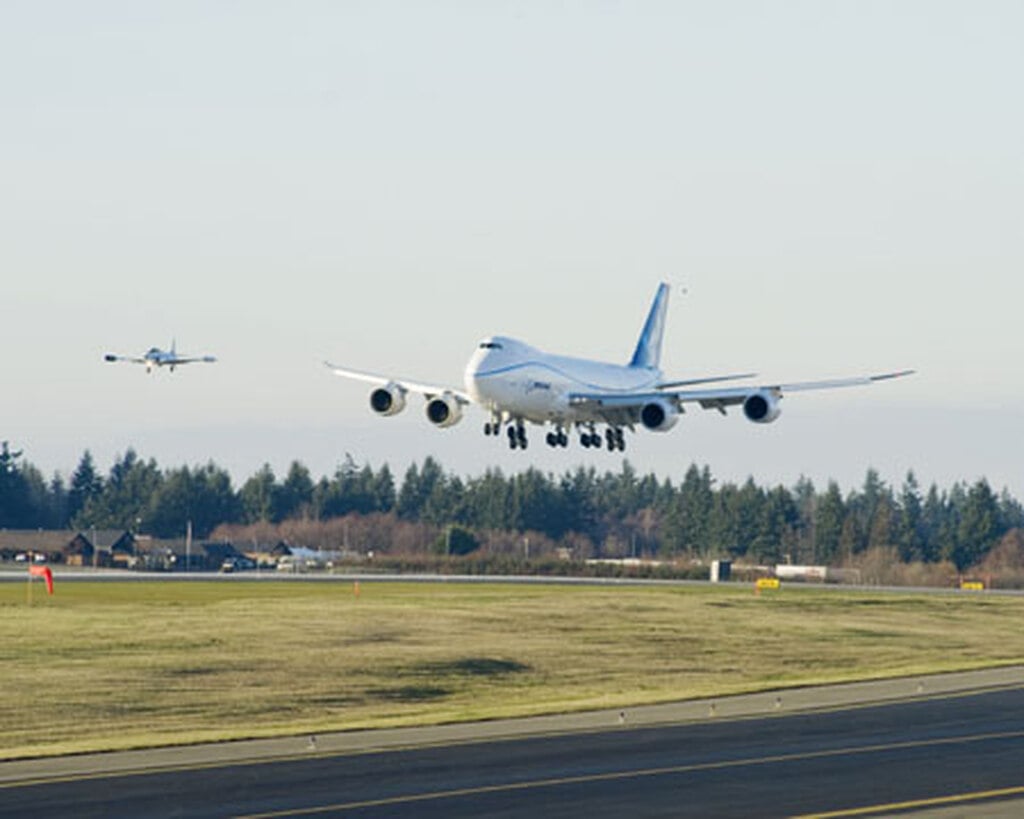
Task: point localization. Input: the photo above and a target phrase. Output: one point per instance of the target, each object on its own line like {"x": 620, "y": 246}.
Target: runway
{"x": 936, "y": 750}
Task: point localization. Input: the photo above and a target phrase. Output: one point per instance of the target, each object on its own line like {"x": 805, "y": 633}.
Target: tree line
{"x": 595, "y": 514}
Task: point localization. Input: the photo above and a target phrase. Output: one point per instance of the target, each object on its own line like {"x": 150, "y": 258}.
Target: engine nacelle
{"x": 444, "y": 410}
{"x": 659, "y": 415}
{"x": 388, "y": 400}
{"x": 762, "y": 407}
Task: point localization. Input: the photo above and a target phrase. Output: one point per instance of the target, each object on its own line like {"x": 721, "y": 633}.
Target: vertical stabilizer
{"x": 648, "y": 348}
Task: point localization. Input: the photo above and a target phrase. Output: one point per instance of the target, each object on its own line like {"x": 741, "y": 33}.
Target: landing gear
{"x": 517, "y": 436}
{"x": 613, "y": 438}
{"x": 590, "y": 439}
{"x": 558, "y": 438}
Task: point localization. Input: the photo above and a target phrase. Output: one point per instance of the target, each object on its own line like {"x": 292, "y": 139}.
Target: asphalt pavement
{"x": 945, "y": 745}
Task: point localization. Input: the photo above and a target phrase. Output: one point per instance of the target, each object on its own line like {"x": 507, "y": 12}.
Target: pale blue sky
{"x": 839, "y": 186}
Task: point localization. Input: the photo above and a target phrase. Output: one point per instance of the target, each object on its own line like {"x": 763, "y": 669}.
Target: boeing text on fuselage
{"x": 518, "y": 384}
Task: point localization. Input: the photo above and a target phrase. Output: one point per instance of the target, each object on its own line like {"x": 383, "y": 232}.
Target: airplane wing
{"x": 206, "y": 359}
{"x": 429, "y": 390}
{"x": 129, "y": 358}
{"x": 718, "y": 397}
{"x": 668, "y": 385}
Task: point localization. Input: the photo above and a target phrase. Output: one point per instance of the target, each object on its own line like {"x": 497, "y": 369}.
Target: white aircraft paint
{"x": 517, "y": 383}
{"x": 155, "y": 357}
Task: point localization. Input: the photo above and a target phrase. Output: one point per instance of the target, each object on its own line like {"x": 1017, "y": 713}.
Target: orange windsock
{"x": 43, "y": 571}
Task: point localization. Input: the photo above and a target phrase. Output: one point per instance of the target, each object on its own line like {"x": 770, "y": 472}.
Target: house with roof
{"x": 48, "y": 543}
{"x": 176, "y": 555}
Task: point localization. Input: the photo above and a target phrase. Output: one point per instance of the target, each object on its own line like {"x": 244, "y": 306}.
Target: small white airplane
{"x": 516, "y": 383}
{"x": 155, "y": 357}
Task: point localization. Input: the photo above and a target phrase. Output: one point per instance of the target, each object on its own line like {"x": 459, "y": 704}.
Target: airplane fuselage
{"x": 155, "y": 357}
{"x": 515, "y": 380}
{"x": 515, "y": 383}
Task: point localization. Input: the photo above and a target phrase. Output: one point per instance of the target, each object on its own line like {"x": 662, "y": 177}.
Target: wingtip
{"x": 887, "y": 376}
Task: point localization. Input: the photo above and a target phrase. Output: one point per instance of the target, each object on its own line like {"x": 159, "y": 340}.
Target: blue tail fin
{"x": 648, "y": 348}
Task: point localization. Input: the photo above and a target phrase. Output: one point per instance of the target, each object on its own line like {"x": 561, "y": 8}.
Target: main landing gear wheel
{"x": 615, "y": 439}
{"x": 517, "y": 436}
{"x": 557, "y": 438}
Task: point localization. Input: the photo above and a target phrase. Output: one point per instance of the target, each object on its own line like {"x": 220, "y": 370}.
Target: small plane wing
{"x": 720, "y": 397}
{"x": 206, "y": 359}
{"x": 129, "y": 358}
{"x": 429, "y": 390}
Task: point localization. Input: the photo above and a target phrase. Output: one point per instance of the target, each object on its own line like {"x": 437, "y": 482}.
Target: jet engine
{"x": 762, "y": 407}
{"x": 388, "y": 400}
{"x": 444, "y": 410}
{"x": 659, "y": 415}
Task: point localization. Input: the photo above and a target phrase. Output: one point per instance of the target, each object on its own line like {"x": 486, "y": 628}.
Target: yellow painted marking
{"x": 934, "y": 802}
{"x": 614, "y": 776}
{"x": 767, "y": 583}
{"x": 972, "y": 585}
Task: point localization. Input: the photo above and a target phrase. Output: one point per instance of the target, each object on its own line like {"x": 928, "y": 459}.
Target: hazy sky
{"x": 838, "y": 185}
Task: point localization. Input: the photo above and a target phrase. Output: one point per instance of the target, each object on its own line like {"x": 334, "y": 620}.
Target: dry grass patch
{"x": 129, "y": 664}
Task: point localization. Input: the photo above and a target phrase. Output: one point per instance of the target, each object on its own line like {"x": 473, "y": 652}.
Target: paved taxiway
{"x": 944, "y": 743}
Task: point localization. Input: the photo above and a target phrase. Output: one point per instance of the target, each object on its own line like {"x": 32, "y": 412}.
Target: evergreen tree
{"x": 828, "y": 524}
{"x": 534, "y": 507}
{"x": 686, "y": 524}
{"x": 384, "y": 490}
{"x": 126, "y": 495}
{"x": 202, "y": 497}
{"x": 873, "y": 500}
{"x": 39, "y": 512}
{"x": 57, "y": 504}
{"x": 948, "y": 533}
{"x": 578, "y": 498}
{"x": 932, "y": 524}
{"x": 805, "y": 497}
{"x": 978, "y": 528}
{"x": 409, "y": 502}
{"x": 1011, "y": 513}
{"x": 295, "y": 497}
{"x": 489, "y": 501}
{"x": 883, "y": 523}
{"x": 910, "y": 524}
{"x": 778, "y": 528}
{"x": 417, "y": 487}
{"x": 261, "y": 497}
{"x": 15, "y": 507}
{"x": 86, "y": 484}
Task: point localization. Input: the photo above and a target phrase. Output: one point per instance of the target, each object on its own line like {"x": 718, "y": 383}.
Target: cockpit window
{"x": 490, "y": 345}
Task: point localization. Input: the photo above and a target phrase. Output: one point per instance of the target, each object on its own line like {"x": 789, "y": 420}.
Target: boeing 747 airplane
{"x": 516, "y": 383}
{"x": 155, "y": 357}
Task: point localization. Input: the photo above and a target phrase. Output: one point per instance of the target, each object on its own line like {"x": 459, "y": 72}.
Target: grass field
{"x": 118, "y": 665}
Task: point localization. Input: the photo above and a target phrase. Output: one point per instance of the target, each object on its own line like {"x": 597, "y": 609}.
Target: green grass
{"x": 103, "y": 666}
